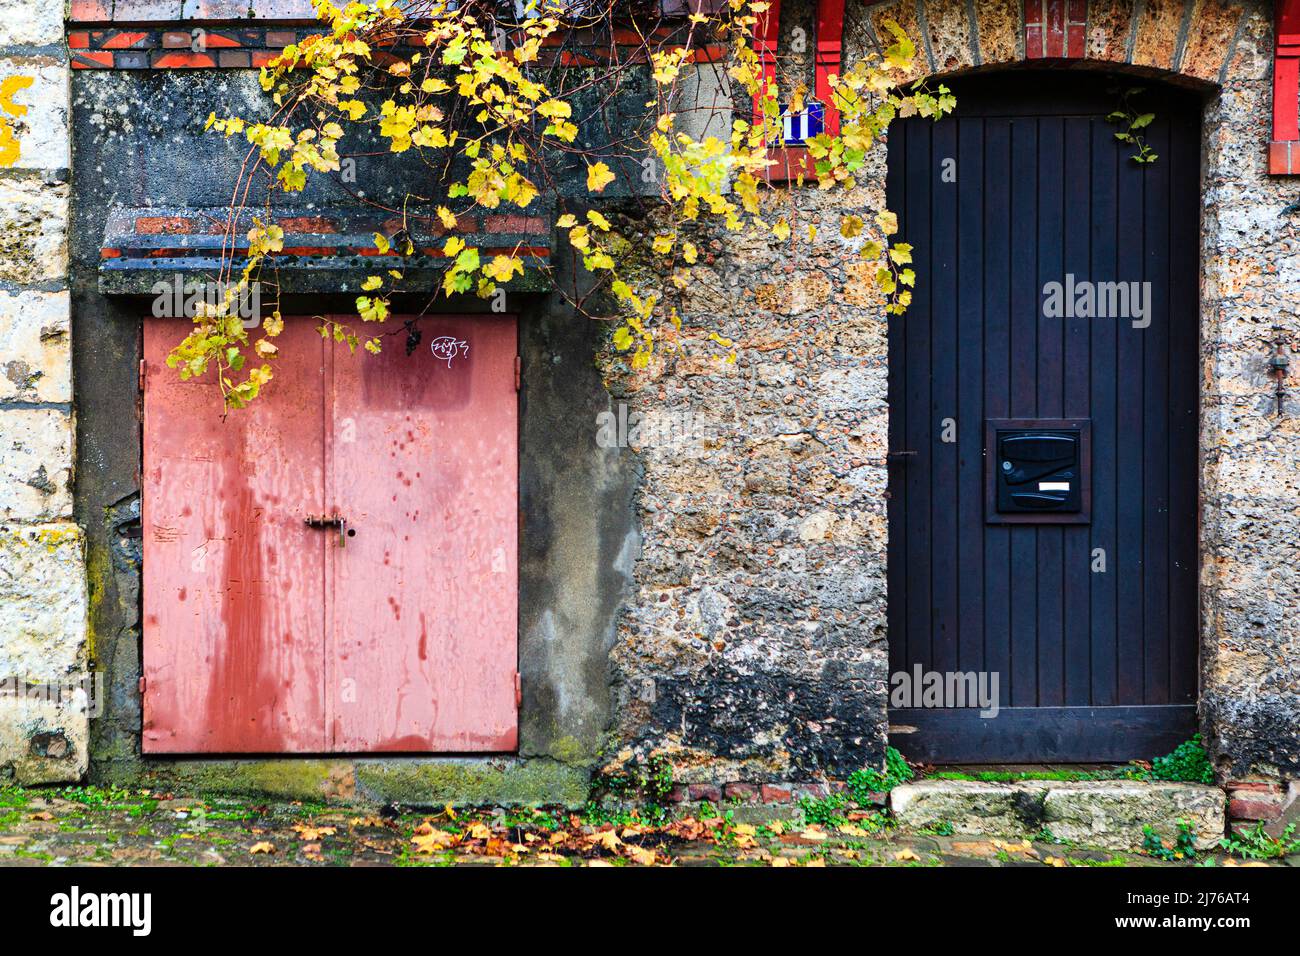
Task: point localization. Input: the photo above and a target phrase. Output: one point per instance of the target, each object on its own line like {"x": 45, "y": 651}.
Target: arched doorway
{"x": 1043, "y": 424}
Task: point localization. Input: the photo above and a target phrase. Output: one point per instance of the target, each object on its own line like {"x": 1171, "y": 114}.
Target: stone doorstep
{"x": 1109, "y": 814}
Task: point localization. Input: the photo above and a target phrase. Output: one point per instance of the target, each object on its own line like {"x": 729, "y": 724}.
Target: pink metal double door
{"x": 335, "y": 568}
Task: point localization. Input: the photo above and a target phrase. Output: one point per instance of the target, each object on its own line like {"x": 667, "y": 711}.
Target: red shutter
{"x": 389, "y": 622}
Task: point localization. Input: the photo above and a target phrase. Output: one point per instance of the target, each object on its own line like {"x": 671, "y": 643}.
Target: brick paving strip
{"x": 97, "y": 827}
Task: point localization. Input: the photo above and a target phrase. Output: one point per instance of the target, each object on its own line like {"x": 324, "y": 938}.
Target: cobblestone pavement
{"x": 98, "y": 827}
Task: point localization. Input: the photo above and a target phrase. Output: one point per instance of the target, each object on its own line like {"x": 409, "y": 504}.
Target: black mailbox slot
{"x": 1038, "y": 471}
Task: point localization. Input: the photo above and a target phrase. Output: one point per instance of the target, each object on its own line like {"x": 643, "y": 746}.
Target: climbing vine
{"x": 465, "y": 88}
{"x": 1133, "y": 122}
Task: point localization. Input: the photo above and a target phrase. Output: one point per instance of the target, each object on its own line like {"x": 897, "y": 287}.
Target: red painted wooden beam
{"x": 765, "y": 40}
{"x": 830, "y": 52}
{"x": 1284, "y": 148}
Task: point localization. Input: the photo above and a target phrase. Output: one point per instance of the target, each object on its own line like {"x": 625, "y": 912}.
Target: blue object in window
{"x": 803, "y": 126}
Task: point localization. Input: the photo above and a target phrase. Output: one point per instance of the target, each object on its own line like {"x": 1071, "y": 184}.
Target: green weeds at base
{"x": 1184, "y": 847}
{"x": 1255, "y": 844}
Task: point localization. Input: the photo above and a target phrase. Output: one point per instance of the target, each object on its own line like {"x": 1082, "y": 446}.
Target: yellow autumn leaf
{"x": 262, "y": 847}
{"x": 598, "y": 177}
{"x": 370, "y": 283}
{"x": 567, "y": 221}
{"x": 781, "y": 229}
{"x": 641, "y": 856}
{"x": 501, "y": 268}
{"x": 447, "y": 217}
{"x": 851, "y": 226}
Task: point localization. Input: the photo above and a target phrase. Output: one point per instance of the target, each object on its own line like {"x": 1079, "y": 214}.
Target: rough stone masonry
{"x": 752, "y": 644}
{"x": 43, "y": 736}
{"x": 755, "y": 647}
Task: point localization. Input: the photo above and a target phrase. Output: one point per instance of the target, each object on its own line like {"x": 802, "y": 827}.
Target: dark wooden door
{"x": 1091, "y": 627}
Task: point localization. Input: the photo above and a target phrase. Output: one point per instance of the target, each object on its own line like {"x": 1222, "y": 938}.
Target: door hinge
{"x": 142, "y": 684}
{"x": 519, "y": 371}
{"x": 144, "y": 366}
{"x": 519, "y": 690}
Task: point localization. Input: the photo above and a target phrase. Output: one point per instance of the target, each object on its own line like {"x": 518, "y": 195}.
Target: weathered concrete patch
{"x": 1107, "y": 813}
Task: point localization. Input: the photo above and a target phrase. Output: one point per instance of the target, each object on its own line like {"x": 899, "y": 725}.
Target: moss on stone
{"x": 411, "y": 782}
{"x": 470, "y": 782}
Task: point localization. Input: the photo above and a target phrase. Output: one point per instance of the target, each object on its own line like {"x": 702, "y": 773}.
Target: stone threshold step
{"x": 1109, "y": 814}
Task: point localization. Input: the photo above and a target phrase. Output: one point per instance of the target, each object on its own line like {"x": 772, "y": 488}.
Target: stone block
{"x": 42, "y": 131}
{"x": 1157, "y": 33}
{"x": 1112, "y": 814}
{"x": 972, "y": 808}
{"x": 35, "y": 464}
{"x": 24, "y": 23}
{"x": 43, "y": 741}
{"x": 35, "y": 359}
{"x": 950, "y": 35}
{"x": 1110, "y": 24}
{"x": 999, "y": 26}
{"x": 904, "y": 13}
{"x": 42, "y": 601}
{"x": 1209, "y": 38}
{"x": 1109, "y": 814}
{"x": 33, "y": 231}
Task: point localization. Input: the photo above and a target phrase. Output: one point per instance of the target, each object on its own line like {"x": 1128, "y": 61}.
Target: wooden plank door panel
{"x": 234, "y": 624}
{"x": 1043, "y": 189}
{"x": 423, "y": 464}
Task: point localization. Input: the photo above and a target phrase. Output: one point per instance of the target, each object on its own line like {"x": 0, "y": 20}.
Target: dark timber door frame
{"x": 1092, "y": 664}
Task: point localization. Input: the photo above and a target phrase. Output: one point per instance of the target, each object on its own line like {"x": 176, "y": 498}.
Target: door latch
{"x": 329, "y": 521}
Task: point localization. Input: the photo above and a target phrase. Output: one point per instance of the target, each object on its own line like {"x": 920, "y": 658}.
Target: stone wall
{"x": 755, "y": 646}
{"x": 42, "y": 576}
{"x": 1250, "y": 522}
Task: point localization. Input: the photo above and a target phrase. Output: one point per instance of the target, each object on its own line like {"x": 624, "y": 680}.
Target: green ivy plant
{"x": 1127, "y": 115}
{"x": 1255, "y": 844}
{"x": 1184, "y": 847}
{"x": 863, "y": 783}
{"x": 1187, "y": 762}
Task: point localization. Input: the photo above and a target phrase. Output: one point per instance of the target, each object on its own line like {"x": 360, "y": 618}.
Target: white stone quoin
{"x": 43, "y": 737}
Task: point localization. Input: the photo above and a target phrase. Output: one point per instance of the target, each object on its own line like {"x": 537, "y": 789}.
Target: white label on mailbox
{"x": 1053, "y": 486}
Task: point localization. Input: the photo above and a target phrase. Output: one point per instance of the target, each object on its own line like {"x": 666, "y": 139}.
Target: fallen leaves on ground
{"x": 262, "y": 847}
{"x": 312, "y": 834}
{"x": 639, "y": 843}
